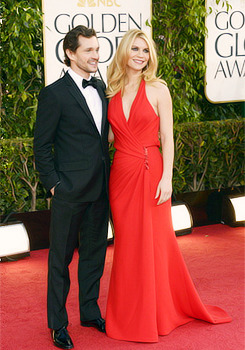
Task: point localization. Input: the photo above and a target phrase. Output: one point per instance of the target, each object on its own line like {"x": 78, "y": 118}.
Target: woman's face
{"x": 139, "y": 55}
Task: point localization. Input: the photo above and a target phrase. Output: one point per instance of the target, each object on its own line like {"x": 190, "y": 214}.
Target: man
{"x": 71, "y": 152}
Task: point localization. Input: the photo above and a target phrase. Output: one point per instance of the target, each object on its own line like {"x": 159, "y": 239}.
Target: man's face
{"x": 85, "y": 60}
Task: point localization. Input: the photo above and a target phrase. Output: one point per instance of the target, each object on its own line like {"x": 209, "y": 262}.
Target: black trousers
{"x": 84, "y": 225}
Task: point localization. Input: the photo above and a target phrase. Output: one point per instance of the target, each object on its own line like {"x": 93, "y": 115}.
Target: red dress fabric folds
{"x": 151, "y": 292}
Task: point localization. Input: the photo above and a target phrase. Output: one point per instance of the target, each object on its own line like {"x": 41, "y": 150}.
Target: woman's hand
{"x": 164, "y": 190}
{"x": 110, "y": 136}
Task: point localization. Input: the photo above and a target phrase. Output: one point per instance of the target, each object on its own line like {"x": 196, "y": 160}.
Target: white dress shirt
{"x": 92, "y": 98}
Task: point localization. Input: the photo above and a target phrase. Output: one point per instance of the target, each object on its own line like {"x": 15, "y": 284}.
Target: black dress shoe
{"x": 99, "y": 323}
{"x": 62, "y": 339}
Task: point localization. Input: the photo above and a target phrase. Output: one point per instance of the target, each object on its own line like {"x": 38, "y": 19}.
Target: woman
{"x": 151, "y": 292}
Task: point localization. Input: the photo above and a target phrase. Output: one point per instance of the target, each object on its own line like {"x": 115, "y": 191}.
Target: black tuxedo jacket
{"x": 69, "y": 151}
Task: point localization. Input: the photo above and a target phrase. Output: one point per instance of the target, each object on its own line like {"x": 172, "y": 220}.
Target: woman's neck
{"x": 133, "y": 78}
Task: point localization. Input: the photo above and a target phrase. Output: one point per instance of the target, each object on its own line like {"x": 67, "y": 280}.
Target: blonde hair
{"x": 116, "y": 73}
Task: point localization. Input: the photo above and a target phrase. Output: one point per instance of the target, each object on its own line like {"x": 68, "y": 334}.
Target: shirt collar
{"x": 76, "y": 77}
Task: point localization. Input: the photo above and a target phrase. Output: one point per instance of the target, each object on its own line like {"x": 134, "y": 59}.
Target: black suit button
{"x": 103, "y": 158}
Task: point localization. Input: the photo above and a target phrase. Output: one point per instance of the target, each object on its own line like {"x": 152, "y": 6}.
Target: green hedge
{"x": 19, "y": 186}
{"x": 208, "y": 155}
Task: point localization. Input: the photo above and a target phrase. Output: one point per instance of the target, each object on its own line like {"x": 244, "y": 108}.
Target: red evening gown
{"x": 151, "y": 291}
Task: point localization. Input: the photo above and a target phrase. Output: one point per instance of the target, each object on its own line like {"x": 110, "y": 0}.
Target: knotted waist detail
{"x": 146, "y": 154}
{"x": 143, "y": 153}
{"x": 146, "y": 158}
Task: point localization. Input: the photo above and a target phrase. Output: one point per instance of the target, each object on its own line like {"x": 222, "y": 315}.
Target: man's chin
{"x": 93, "y": 69}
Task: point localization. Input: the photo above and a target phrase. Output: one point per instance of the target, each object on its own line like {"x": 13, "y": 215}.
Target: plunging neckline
{"x": 133, "y": 103}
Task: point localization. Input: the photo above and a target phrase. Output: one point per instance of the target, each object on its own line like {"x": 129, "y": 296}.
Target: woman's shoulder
{"x": 157, "y": 87}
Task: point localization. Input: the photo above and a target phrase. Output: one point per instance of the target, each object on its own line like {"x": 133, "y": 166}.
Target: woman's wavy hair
{"x": 116, "y": 73}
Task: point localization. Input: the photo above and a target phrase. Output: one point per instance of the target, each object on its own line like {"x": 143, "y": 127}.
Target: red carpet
{"x": 214, "y": 256}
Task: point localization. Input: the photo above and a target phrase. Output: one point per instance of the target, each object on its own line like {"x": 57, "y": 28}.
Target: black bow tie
{"x": 92, "y": 82}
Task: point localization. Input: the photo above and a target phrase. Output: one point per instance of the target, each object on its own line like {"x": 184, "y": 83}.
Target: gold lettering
{"x": 109, "y": 3}
{"x": 92, "y": 3}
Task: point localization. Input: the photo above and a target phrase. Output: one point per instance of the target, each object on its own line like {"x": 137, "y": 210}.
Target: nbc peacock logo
{"x": 90, "y": 3}
{"x": 98, "y": 3}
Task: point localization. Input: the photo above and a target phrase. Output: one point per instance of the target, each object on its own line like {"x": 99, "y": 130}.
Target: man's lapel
{"x": 74, "y": 90}
{"x": 104, "y": 106}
